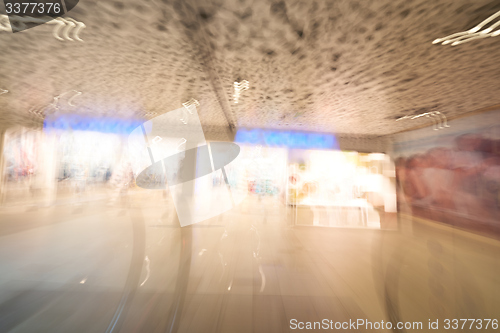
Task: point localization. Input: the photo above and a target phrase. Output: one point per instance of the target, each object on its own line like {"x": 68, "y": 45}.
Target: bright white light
{"x": 190, "y": 103}
{"x": 67, "y": 25}
{"x": 238, "y": 88}
{"x": 376, "y": 157}
{"x": 148, "y": 271}
{"x": 472, "y": 34}
{"x": 440, "y": 123}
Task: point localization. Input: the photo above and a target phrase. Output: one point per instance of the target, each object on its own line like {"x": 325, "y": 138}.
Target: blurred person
{"x": 108, "y": 174}
{"x": 80, "y": 179}
{"x": 35, "y": 182}
{"x": 10, "y": 171}
{"x": 166, "y": 192}
{"x": 121, "y": 180}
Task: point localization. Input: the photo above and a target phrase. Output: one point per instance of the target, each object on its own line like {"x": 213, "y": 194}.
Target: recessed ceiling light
{"x": 238, "y": 88}
{"x": 439, "y": 119}
{"x": 64, "y": 26}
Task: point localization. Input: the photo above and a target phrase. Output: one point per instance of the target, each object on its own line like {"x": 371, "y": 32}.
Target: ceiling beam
{"x": 194, "y": 31}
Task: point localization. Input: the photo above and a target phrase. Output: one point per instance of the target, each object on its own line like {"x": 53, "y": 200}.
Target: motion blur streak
{"x": 105, "y": 235}
{"x": 250, "y": 166}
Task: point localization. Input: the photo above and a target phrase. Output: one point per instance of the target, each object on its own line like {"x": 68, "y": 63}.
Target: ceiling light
{"x": 472, "y": 34}
{"x": 66, "y": 25}
{"x": 187, "y": 106}
{"x": 191, "y": 102}
{"x": 149, "y": 114}
{"x": 440, "y": 123}
{"x": 41, "y": 111}
{"x": 238, "y": 88}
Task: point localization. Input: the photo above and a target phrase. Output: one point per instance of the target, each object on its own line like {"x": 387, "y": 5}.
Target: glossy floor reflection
{"x": 129, "y": 267}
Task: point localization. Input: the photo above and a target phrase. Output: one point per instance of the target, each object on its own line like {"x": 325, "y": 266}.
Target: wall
{"x": 452, "y": 175}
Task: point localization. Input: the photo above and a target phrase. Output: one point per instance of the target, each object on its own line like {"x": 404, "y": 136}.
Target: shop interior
{"x": 250, "y": 166}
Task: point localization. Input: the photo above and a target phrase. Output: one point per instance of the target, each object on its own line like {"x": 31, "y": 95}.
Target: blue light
{"x": 299, "y": 140}
{"x": 86, "y": 123}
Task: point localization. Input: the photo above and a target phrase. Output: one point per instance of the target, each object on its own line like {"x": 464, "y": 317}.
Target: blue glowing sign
{"x": 298, "y": 140}
{"x": 85, "y": 123}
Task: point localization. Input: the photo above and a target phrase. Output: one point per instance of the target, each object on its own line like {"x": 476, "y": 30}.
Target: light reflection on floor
{"x": 129, "y": 267}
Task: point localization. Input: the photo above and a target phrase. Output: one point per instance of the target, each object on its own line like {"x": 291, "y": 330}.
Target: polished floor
{"x": 92, "y": 266}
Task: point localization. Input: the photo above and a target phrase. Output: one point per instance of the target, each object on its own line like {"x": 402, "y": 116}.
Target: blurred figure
{"x": 80, "y": 180}
{"x": 121, "y": 180}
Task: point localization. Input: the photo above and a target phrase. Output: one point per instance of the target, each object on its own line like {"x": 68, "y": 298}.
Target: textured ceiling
{"x": 332, "y": 66}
